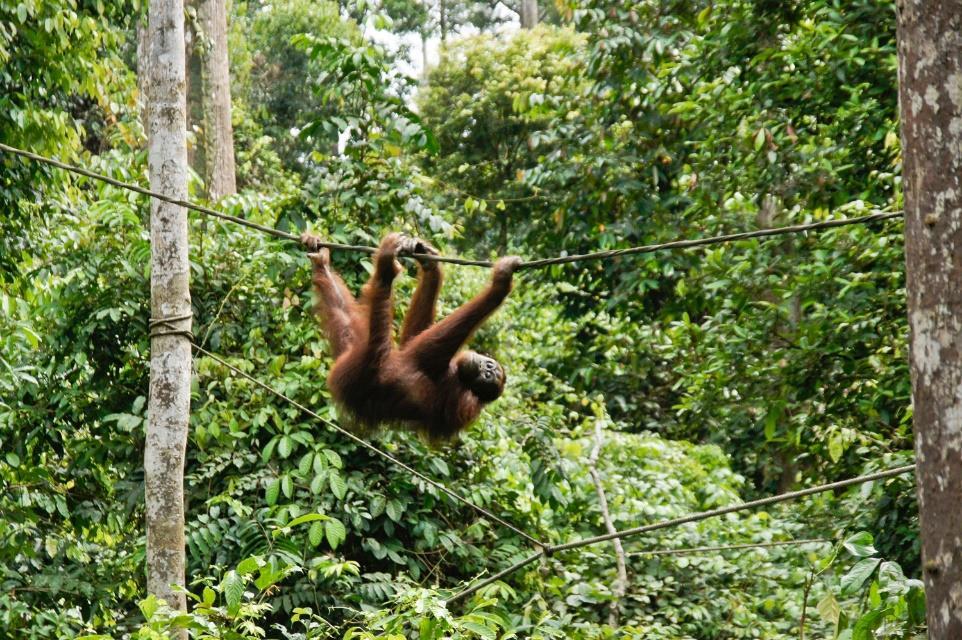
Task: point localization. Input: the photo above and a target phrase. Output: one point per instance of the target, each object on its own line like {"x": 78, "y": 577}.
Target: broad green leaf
{"x": 335, "y": 532}
{"x": 394, "y": 510}
{"x": 836, "y": 446}
{"x": 307, "y": 517}
{"x": 232, "y": 587}
{"x": 338, "y": 485}
{"x": 860, "y": 544}
{"x": 852, "y": 581}
{"x": 316, "y": 533}
{"x": 249, "y": 565}
{"x": 272, "y": 491}
{"x": 865, "y": 625}
{"x": 829, "y": 608}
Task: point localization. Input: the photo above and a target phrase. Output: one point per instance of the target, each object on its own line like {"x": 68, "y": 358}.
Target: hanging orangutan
{"x": 424, "y": 382}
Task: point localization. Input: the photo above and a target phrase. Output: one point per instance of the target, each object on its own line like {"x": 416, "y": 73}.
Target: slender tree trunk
{"x": 621, "y": 584}
{"x": 424, "y": 55}
{"x": 143, "y": 69}
{"x": 218, "y": 131}
{"x": 529, "y": 14}
{"x": 930, "y": 84}
{"x": 194, "y": 89}
{"x": 443, "y": 22}
{"x": 170, "y": 357}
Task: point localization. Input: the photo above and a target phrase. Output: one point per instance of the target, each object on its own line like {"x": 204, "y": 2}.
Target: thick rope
{"x": 160, "y": 327}
{"x": 367, "y": 445}
{"x": 531, "y": 264}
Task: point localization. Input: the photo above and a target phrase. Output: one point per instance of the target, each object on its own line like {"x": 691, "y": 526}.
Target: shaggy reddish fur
{"x": 417, "y": 383}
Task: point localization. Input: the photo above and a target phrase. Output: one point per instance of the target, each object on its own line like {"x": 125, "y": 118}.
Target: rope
{"x": 674, "y": 522}
{"x": 725, "y": 547}
{"x": 147, "y": 192}
{"x": 169, "y": 328}
{"x": 367, "y": 445}
{"x": 531, "y": 264}
{"x": 701, "y": 242}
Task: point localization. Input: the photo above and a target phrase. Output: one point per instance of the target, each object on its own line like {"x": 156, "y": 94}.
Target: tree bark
{"x": 529, "y": 14}
{"x": 218, "y": 131}
{"x": 170, "y": 357}
{"x": 930, "y": 86}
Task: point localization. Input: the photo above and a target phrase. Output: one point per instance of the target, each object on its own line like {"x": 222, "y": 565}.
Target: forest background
{"x": 668, "y": 383}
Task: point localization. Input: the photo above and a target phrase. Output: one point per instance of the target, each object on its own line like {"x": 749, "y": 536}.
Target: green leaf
{"x": 269, "y": 449}
{"x": 377, "y": 505}
{"x": 209, "y": 597}
{"x": 338, "y": 485}
{"x": 286, "y": 446}
{"x": 233, "y": 589}
{"x": 316, "y": 533}
{"x": 333, "y": 458}
{"x": 249, "y": 565}
{"x": 306, "y": 462}
{"x": 272, "y": 491}
{"x": 867, "y": 624}
{"x": 307, "y": 517}
{"x": 317, "y": 483}
{"x": 759, "y": 139}
{"x": 860, "y": 544}
{"x": 394, "y": 510}
{"x": 829, "y": 609}
{"x": 149, "y": 606}
{"x": 426, "y": 629}
{"x": 852, "y": 581}
{"x": 335, "y": 532}
{"x": 480, "y": 629}
{"x": 836, "y": 446}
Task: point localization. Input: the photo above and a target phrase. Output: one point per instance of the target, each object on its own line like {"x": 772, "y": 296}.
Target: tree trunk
{"x": 930, "y": 86}
{"x": 218, "y": 132}
{"x": 143, "y": 69}
{"x": 529, "y": 14}
{"x": 170, "y": 357}
{"x": 424, "y": 55}
{"x": 194, "y": 89}
{"x": 443, "y": 21}
{"x": 621, "y": 583}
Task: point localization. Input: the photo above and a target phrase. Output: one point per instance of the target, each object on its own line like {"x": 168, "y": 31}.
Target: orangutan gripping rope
{"x": 424, "y": 382}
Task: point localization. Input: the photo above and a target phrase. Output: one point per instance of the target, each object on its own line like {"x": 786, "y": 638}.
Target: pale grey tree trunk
{"x": 143, "y": 66}
{"x": 424, "y": 55}
{"x": 529, "y": 14}
{"x": 218, "y": 131}
{"x": 930, "y": 93}
{"x": 621, "y": 584}
{"x": 170, "y": 357}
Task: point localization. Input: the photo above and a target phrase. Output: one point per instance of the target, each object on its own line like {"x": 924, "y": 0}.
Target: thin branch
{"x": 618, "y": 588}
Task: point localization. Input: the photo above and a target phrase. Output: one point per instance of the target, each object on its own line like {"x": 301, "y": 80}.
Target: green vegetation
{"x": 715, "y": 375}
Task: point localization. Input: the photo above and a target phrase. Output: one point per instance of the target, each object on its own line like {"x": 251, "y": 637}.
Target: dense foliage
{"x": 703, "y": 378}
